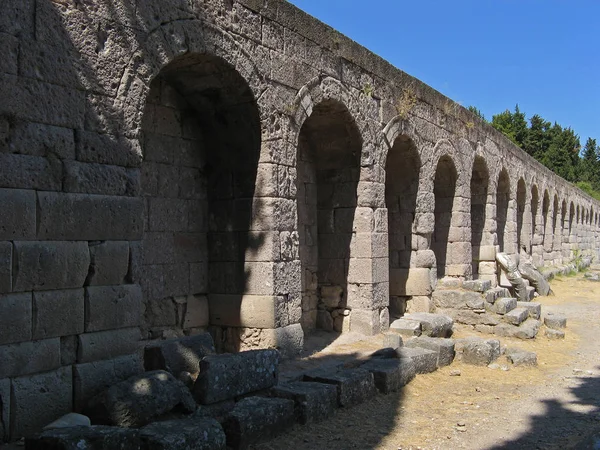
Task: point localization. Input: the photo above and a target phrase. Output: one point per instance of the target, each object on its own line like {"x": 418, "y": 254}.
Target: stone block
{"x": 516, "y": 316}
{"x": 89, "y": 217}
{"x": 255, "y": 419}
{"x": 477, "y": 285}
{"x": 392, "y": 340}
{"x": 314, "y": 402}
{"x": 434, "y": 325}
{"x": 425, "y": 361}
{"x": 504, "y": 305}
{"x": 443, "y": 347}
{"x": 107, "y": 344}
{"x": 252, "y": 311}
{"x": 527, "y": 330}
{"x": 196, "y": 312}
{"x": 98, "y": 437}
{"x": 108, "y": 149}
{"x": 406, "y": 327}
{"x": 57, "y": 313}
{"x": 365, "y": 321}
{"x": 288, "y": 340}
{"x": 420, "y": 304}
{"x": 37, "y": 139}
{"x": 30, "y": 172}
{"x": 554, "y": 334}
{"x": 354, "y": 386}
{"x": 18, "y": 214}
{"x": 487, "y": 268}
{"x": 227, "y": 376}
{"x": 449, "y": 298}
{"x": 535, "y": 309}
{"x": 201, "y": 433}
{"x": 406, "y": 282}
{"x": 109, "y": 263}
{"x": 29, "y": 357}
{"x": 331, "y": 296}
{"x": 15, "y": 318}
{"x": 476, "y": 303}
{"x": 179, "y": 355}
{"x": 101, "y": 179}
{"x": 5, "y": 267}
{"x": 128, "y": 403}
{"x": 37, "y": 400}
{"x": 479, "y": 352}
{"x": 103, "y": 302}
{"x": 555, "y": 321}
{"x": 325, "y": 321}
{"x": 390, "y": 375}
{"x": 4, "y": 409}
{"x": 487, "y": 253}
{"x": 368, "y": 296}
{"x": 523, "y": 358}
{"x": 49, "y": 265}
{"x": 92, "y": 378}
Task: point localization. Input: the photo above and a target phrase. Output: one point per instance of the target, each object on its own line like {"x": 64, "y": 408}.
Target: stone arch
{"x": 521, "y": 200}
{"x": 444, "y": 190}
{"x": 534, "y": 212}
{"x": 545, "y": 210}
{"x": 328, "y": 171}
{"x": 571, "y": 217}
{"x": 502, "y": 202}
{"x": 402, "y": 168}
{"x": 564, "y": 231}
{"x": 201, "y": 140}
{"x": 480, "y": 180}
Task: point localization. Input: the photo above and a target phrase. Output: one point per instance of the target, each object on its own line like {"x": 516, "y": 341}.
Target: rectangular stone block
{"x": 29, "y": 357}
{"x": 534, "y": 308}
{"x": 18, "y": 214}
{"x": 30, "y": 172}
{"x": 101, "y": 179}
{"x": 89, "y": 217}
{"x": 365, "y": 321}
{"x": 160, "y": 281}
{"x": 196, "y": 312}
{"x": 443, "y": 347}
{"x": 313, "y": 402}
{"x": 5, "y": 267}
{"x": 112, "y": 307}
{"x": 505, "y": 305}
{"x": 107, "y": 344}
{"x": 178, "y": 355}
{"x": 516, "y": 316}
{"x": 252, "y": 311}
{"x": 108, "y": 149}
{"x": 92, "y": 378}
{"x": 4, "y": 409}
{"x": 109, "y": 263}
{"x": 406, "y": 282}
{"x": 15, "y": 318}
{"x": 228, "y": 376}
{"x": 391, "y": 375}
{"x": 426, "y": 361}
{"x": 48, "y": 265}
{"x": 40, "y": 399}
{"x": 57, "y": 313}
{"x": 354, "y": 386}
{"x": 38, "y": 139}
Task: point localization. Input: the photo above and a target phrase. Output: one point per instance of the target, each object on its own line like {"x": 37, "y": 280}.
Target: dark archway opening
{"x": 329, "y": 150}
{"x": 502, "y": 199}
{"x": 521, "y": 194}
{"x": 479, "y": 196}
{"x": 401, "y": 186}
{"x": 534, "y": 210}
{"x": 545, "y": 208}
{"x": 444, "y": 188}
{"x": 201, "y": 141}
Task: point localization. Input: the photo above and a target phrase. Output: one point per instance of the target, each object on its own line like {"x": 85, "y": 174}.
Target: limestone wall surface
{"x": 172, "y": 166}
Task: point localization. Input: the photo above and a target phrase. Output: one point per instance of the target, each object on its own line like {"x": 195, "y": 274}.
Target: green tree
{"x": 562, "y": 156}
{"x": 590, "y": 167}
{"x": 477, "y": 112}
{"x": 513, "y": 125}
{"x": 538, "y": 138}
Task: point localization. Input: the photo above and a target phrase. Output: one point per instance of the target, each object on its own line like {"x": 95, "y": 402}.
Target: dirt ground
{"x": 553, "y": 406}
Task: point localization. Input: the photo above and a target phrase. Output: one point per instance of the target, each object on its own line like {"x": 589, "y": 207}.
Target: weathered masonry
{"x": 171, "y": 166}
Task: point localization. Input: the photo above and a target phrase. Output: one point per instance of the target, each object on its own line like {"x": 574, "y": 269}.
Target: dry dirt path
{"x": 553, "y": 406}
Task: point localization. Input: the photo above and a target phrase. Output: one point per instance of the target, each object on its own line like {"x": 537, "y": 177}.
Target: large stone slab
{"x": 102, "y": 303}
{"x": 534, "y": 308}
{"x": 139, "y": 399}
{"x": 16, "y": 314}
{"x": 97, "y": 437}
{"x": 58, "y": 313}
{"x": 555, "y": 321}
{"x": 520, "y": 357}
{"x": 354, "y": 386}
{"x": 390, "y": 375}
{"x": 179, "y": 355}
{"x": 18, "y": 214}
{"x": 434, "y": 325}
{"x": 516, "y": 316}
{"x": 197, "y": 433}
{"x": 227, "y": 376}
{"x": 425, "y": 361}
{"x": 406, "y": 327}
{"x": 527, "y": 330}
{"x": 504, "y": 305}
{"x": 479, "y": 352}
{"x": 443, "y": 347}
{"x": 255, "y": 419}
{"x": 314, "y": 402}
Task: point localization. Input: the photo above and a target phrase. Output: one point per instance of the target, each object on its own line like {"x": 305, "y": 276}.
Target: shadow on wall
{"x": 444, "y": 188}
{"x": 561, "y": 425}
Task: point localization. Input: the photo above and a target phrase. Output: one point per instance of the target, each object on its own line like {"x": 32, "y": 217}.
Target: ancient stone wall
{"x": 172, "y": 166}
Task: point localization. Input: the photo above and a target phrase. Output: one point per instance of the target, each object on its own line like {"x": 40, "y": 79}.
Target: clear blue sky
{"x": 542, "y": 54}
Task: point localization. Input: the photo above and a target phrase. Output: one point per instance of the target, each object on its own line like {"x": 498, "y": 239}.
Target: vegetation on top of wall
{"x": 555, "y": 146}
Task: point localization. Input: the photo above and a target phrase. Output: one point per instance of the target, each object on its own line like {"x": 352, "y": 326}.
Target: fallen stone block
{"x": 443, "y": 347}
{"x": 139, "y": 399}
{"x": 313, "y": 402}
{"x": 391, "y": 375}
{"x": 178, "y": 355}
{"x": 226, "y": 376}
{"x": 517, "y": 316}
{"x": 527, "y": 330}
{"x": 425, "y": 360}
{"x": 555, "y": 321}
{"x": 480, "y": 352}
{"x": 554, "y": 334}
{"x": 198, "y": 433}
{"x": 406, "y": 327}
{"x": 392, "y": 340}
{"x": 477, "y": 285}
{"x": 97, "y": 437}
{"x": 453, "y": 298}
{"x": 504, "y": 305}
{"x": 535, "y": 309}
{"x": 530, "y": 293}
{"x": 434, "y": 325}
{"x": 255, "y": 419}
{"x": 354, "y": 386}
{"x": 520, "y": 357}
{"x": 473, "y": 318}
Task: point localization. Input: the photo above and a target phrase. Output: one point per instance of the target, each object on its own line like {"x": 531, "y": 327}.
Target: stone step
{"x": 426, "y": 361}
{"x": 313, "y": 402}
{"x": 433, "y": 325}
{"x": 527, "y": 330}
{"x": 555, "y": 321}
{"x": 517, "y": 316}
{"x": 406, "y": 327}
{"x": 504, "y": 305}
{"x": 530, "y": 293}
{"x": 535, "y": 309}
{"x": 491, "y": 295}
{"x": 391, "y": 374}
{"x": 354, "y": 386}
{"x": 444, "y": 348}
{"x": 477, "y": 285}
